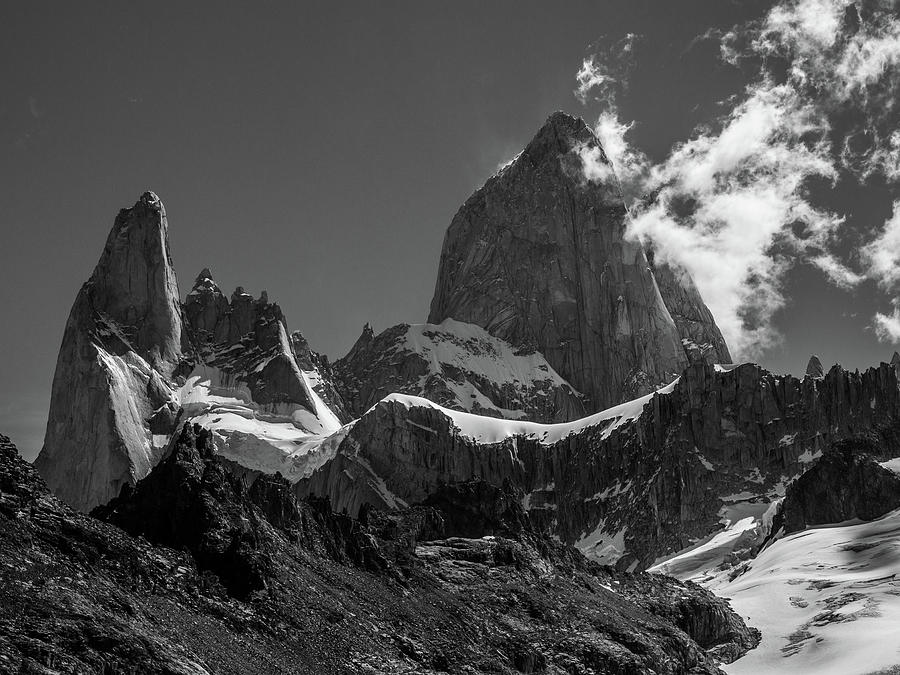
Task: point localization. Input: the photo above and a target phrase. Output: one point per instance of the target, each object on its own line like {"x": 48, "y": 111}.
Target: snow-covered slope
{"x": 827, "y": 601}
{"x": 289, "y": 442}
{"x": 247, "y": 385}
{"x": 486, "y": 430}
{"x": 459, "y": 366}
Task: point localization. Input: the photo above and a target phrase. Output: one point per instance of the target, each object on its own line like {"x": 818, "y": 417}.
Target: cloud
{"x": 730, "y": 208}
{"x": 732, "y": 204}
{"x": 882, "y": 254}
{"x": 887, "y": 326}
{"x": 596, "y": 166}
{"x": 603, "y": 76}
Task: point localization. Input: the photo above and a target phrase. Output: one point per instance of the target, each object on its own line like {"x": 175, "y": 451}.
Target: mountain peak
{"x": 559, "y": 135}
{"x": 814, "y": 367}
{"x": 594, "y": 310}
{"x": 204, "y": 283}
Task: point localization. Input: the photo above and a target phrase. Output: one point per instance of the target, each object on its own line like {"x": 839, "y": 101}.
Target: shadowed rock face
{"x": 121, "y": 344}
{"x": 538, "y": 257}
{"x": 261, "y": 582}
{"x": 846, "y": 482}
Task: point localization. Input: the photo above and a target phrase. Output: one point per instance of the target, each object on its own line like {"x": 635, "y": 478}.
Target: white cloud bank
{"x": 732, "y": 205}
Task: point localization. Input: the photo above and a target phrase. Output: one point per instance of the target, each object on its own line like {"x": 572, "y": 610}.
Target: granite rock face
{"x": 623, "y": 490}
{"x": 458, "y": 366}
{"x": 322, "y": 592}
{"x": 538, "y": 257}
{"x": 111, "y": 396}
{"x": 847, "y": 482}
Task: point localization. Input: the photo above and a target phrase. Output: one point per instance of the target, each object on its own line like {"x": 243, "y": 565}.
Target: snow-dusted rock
{"x": 247, "y": 341}
{"x": 847, "y": 482}
{"x": 247, "y": 385}
{"x": 111, "y": 405}
{"x": 134, "y": 364}
{"x": 320, "y": 375}
{"x": 459, "y": 366}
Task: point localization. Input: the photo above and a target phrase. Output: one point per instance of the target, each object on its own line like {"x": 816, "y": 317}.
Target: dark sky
{"x": 316, "y": 150}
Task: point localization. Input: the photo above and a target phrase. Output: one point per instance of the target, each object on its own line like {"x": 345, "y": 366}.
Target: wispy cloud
{"x": 732, "y": 205}
{"x": 887, "y": 326}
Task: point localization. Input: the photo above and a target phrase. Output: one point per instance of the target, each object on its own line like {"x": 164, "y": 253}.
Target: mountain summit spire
{"x": 538, "y": 257}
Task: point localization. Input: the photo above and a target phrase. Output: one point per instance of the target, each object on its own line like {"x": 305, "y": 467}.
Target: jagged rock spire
{"x": 814, "y": 367}
{"x": 121, "y": 344}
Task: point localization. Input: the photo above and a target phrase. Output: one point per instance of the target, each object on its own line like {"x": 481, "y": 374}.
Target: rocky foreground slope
{"x": 229, "y": 579}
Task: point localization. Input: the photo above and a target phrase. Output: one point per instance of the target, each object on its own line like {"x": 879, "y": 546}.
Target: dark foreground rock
{"x": 320, "y": 592}
{"x": 846, "y": 482}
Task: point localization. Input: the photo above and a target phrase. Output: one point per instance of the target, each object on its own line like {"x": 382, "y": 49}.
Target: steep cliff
{"x": 111, "y": 404}
{"x": 459, "y": 366}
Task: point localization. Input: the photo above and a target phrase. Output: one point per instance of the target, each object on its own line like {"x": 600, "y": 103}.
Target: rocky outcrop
{"x": 814, "y": 367}
{"x": 328, "y": 593}
{"x": 111, "y": 400}
{"x": 458, "y": 366}
{"x": 847, "y": 482}
{"x": 623, "y": 490}
{"x": 538, "y": 257}
{"x": 246, "y": 342}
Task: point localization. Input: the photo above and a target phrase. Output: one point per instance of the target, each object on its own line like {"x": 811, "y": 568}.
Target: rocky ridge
{"x": 633, "y": 484}
{"x": 134, "y": 363}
